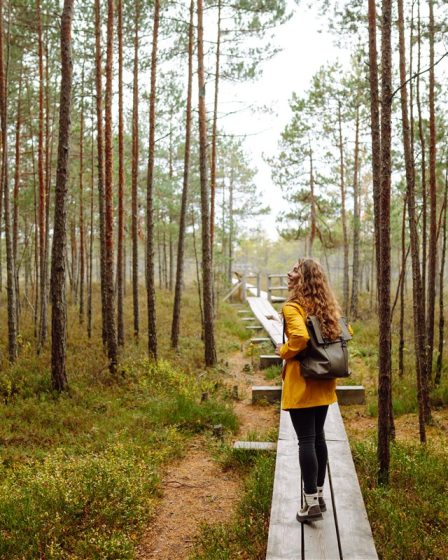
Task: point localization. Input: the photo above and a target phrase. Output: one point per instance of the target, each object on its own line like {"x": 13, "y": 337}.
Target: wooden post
{"x": 243, "y": 289}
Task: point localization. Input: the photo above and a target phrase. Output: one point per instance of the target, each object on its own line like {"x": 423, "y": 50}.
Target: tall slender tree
{"x": 100, "y": 157}
{"x": 120, "y": 257}
{"x": 59, "y": 306}
{"x": 432, "y": 253}
{"x": 111, "y": 333}
{"x": 150, "y": 288}
{"x": 175, "y": 326}
{"x": 418, "y": 310}
{"x": 207, "y": 279}
{"x": 134, "y": 173}
{"x": 4, "y": 189}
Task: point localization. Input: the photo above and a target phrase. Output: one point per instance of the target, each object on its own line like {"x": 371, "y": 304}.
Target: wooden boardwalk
{"x": 345, "y": 532}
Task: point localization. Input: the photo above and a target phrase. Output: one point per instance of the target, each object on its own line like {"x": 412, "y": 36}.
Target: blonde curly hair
{"x": 313, "y": 293}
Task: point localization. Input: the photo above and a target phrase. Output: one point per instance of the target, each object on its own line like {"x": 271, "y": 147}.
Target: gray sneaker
{"x": 322, "y": 504}
{"x": 309, "y": 513}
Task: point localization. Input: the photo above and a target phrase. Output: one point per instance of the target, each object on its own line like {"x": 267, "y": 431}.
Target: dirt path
{"x": 195, "y": 489}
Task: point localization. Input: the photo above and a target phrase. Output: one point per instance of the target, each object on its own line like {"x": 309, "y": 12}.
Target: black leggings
{"x": 309, "y": 426}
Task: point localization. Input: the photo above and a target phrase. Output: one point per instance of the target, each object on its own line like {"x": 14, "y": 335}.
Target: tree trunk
{"x": 135, "y": 149}
{"x": 108, "y": 218}
{"x": 356, "y": 223}
{"x": 375, "y": 128}
{"x": 89, "y": 296}
{"x": 384, "y": 377}
{"x": 313, "y": 205}
{"x": 401, "y": 289}
{"x": 4, "y": 188}
{"x": 345, "y": 284}
{"x": 59, "y": 306}
{"x": 231, "y": 227}
{"x": 431, "y": 287}
{"x": 419, "y": 318}
{"x": 81, "y": 207}
{"x": 120, "y": 259}
{"x": 150, "y": 288}
{"x": 198, "y": 276}
{"x": 17, "y": 177}
{"x": 438, "y": 375}
{"x": 100, "y": 155}
{"x": 207, "y": 273}
{"x": 175, "y": 326}
{"x": 421, "y": 135}
{"x": 40, "y": 166}
{"x": 214, "y": 139}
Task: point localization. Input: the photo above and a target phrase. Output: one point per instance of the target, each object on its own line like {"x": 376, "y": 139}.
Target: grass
{"x": 409, "y": 518}
{"x": 79, "y": 472}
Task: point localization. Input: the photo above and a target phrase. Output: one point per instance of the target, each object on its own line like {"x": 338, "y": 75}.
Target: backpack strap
{"x": 313, "y": 322}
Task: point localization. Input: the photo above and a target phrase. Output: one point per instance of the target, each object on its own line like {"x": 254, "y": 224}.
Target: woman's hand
{"x": 277, "y": 349}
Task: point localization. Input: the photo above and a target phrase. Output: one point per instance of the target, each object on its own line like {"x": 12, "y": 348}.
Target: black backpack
{"x": 324, "y": 358}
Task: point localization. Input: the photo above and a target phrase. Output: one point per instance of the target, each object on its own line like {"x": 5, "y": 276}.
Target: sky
{"x": 306, "y": 45}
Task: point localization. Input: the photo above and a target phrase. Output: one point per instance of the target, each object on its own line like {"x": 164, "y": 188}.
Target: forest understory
{"x": 128, "y": 467}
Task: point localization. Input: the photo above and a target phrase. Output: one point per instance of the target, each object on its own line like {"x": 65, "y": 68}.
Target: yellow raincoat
{"x": 300, "y": 392}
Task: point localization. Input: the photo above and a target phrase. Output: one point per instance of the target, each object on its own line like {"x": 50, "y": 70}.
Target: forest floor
{"x": 195, "y": 488}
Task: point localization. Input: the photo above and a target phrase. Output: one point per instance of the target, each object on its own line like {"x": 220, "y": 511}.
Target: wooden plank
{"x": 268, "y": 317}
{"x": 346, "y": 394}
{"x": 285, "y": 532}
{"x": 260, "y": 340}
{"x": 256, "y": 445}
{"x": 267, "y": 360}
{"x": 254, "y": 327}
{"x": 320, "y": 538}
{"x": 264, "y": 392}
{"x": 351, "y": 394}
{"x": 354, "y": 528}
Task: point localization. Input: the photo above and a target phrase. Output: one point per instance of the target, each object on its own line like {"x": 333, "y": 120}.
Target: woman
{"x": 307, "y": 399}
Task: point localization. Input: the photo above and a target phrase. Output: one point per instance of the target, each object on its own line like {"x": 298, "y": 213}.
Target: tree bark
{"x": 100, "y": 156}
{"x": 120, "y": 257}
{"x": 207, "y": 273}
{"x": 384, "y": 377}
{"x": 313, "y": 204}
{"x": 17, "y": 178}
{"x": 135, "y": 150}
{"x": 375, "y": 128}
{"x": 4, "y": 189}
{"x": 214, "y": 132}
{"x": 438, "y": 374}
{"x": 40, "y": 167}
{"x": 421, "y": 135}
{"x": 418, "y": 295}
{"x": 356, "y": 223}
{"x": 112, "y": 350}
{"x": 90, "y": 276}
{"x": 81, "y": 207}
{"x": 345, "y": 284}
{"x": 175, "y": 326}
{"x": 59, "y": 306}
{"x": 150, "y": 288}
{"x": 431, "y": 287}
